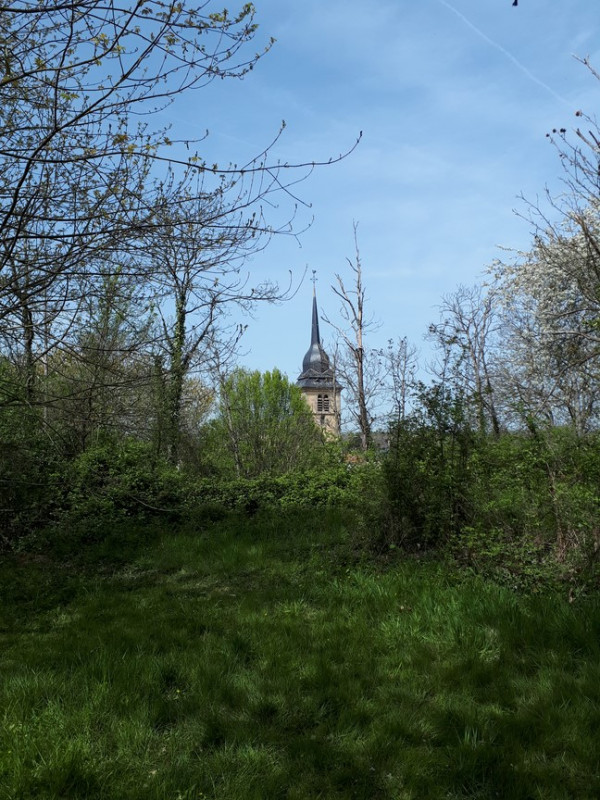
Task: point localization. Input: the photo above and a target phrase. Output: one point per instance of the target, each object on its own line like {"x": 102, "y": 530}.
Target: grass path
{"x": 260, "y": 660}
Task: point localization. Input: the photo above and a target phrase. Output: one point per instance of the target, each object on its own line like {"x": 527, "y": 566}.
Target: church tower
{"x": 317, "y": 381}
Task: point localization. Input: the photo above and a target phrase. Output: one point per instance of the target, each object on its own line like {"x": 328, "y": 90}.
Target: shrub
{"x": 117, "y": 480}
{"x": 27, "y": 461}
{"x": 535, "y": 509}
{"x": 332, "y": 487}
{"x": 426, "y": 481}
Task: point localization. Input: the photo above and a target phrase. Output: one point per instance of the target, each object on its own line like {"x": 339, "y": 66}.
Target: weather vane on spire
{"x": 314, "y": 280}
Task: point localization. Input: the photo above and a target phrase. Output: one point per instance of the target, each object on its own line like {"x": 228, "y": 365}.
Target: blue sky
{"x": 454, "y": 100}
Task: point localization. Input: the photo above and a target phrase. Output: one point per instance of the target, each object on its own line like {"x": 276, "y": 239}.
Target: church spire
{"x": 316, "y": 367}
{"x": 317, "y": 379}
{"x": 315, "y": 336}
{"x": 315, "y": 364}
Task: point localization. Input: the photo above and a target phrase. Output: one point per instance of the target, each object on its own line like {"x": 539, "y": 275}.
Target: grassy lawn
{"x": 260, "y": 659}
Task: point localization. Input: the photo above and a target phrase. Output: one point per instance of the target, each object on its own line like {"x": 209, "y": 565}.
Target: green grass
{"x": 260, "y": 659}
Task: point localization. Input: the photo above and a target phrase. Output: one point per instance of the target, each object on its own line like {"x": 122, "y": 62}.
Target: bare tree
{"x": 467, "y": 328}
{"x": 80, "y": 158}
{"x": 361, "y": 371}
{"x": 74, "y": 161}
{"x": 194, "y": 255}
{"x": 401, "y": 367}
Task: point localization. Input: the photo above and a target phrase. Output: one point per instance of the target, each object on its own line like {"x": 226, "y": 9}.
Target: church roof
{"x": 317, "y": 372}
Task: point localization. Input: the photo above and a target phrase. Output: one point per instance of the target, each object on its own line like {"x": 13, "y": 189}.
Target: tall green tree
{"x": 266, "y": 424}
{"x": 97, "y": 382}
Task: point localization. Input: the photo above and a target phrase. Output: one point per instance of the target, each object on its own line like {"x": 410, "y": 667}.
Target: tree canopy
{"x": 266, "y": 423}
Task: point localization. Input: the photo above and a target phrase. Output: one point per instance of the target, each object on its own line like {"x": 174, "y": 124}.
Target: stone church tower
{"x": 317, "y": 381}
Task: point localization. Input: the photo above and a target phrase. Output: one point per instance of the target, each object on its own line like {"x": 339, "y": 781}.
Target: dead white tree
{"x": 362, "y": 371}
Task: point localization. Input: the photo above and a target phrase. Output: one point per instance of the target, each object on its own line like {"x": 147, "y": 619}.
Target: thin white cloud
{"x": 505, "y": 52}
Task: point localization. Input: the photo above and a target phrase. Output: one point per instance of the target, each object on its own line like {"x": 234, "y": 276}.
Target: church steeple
{"x": 317, "y": 379}
{"x": 315, "y": 336}
{"x": 316, "y": 361}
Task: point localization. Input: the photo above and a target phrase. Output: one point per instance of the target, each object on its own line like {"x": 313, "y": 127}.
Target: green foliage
{"x": 114, "y": 480}
{"x": 265, "y": 424}
{"x": 335, "y": 487}
{"x": 521, "y": 507}
{"x": 117, "y": 481}
{"x": 535, "y": 509}
{"x": 426, "y": 475}
{"x": 27, "y": 459}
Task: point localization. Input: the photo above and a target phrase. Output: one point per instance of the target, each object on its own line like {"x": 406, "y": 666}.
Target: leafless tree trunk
{"x": 358, "y": 370}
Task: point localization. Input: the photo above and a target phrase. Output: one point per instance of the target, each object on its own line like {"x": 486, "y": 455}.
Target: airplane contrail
{"x": 506, "y": 53}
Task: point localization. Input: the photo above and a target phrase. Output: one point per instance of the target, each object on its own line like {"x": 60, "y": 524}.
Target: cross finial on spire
{"x": 314, "y": 281}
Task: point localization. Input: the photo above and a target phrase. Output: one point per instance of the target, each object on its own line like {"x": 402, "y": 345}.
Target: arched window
{"x": 323, "y": 403}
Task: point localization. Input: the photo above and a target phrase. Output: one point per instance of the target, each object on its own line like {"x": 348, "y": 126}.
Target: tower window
{"x": 322, "y": 403}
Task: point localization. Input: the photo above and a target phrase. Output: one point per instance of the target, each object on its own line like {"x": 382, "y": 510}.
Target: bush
{"x": 120, "y": 480}
{"x": 523, "y": 507}
{"x": 535, "y": 510}
{"x": 426, "y": 481}
{"x": 27, "y": 461}
{"x": 328, "y": 488}
{"x": 108, "y": 483}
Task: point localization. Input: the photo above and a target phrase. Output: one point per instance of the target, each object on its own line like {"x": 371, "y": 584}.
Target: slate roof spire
{"x": 315, "y": 337}
{"x": 316, "y": 367}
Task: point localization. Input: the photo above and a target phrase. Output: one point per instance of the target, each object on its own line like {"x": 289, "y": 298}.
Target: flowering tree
{"x": 550, "y": 300}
